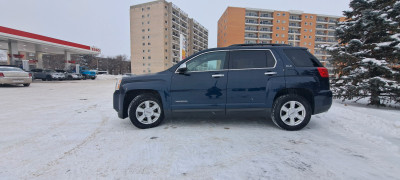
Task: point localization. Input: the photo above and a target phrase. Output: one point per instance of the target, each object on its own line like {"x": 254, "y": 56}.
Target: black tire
{"x": 276, "y": 112}
{"x": 44, "y": 79}
{"x": 136, "y": 102}
{"x": 49, "y": 78}
{"x": 69, "y": 78}
{"x": 84, "y": 77}
{"x": 93, "y": 78}
{"x": 27, "y": 84}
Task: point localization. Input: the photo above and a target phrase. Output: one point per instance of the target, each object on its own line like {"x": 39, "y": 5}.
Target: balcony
{"x": 250, "y": 29}
{"x": 322, "y": 20}
{"x": 293, "y": 32}
{"x": 265, "y": 30}
{"x": 266, "y": 23}
{"x": 251, "y": 22}
{"x": 294, "y": 25}
{"x": 251, "y": 14}
{"x": 333, "y": 21}
{"x": 269, "y": 16}
{"x": 265, "y": 37}
{"x": 294, "y": 18}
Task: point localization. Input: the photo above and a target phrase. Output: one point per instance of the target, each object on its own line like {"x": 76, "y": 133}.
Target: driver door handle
{"x": 269, "y": 73}
{"x": 217, "y": 75}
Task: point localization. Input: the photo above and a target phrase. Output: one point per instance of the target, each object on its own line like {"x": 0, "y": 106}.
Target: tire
{"x": 294, "y": 116}
{"x": 27, "y": 84}
{"x": 48, "y": 78}
{"x": 84, "y": 77}
{"x": 44, "y": 79}
{"x": 93, "y": 78}
{"x": 69, "y": 78}
{"x": 139, "y": 102}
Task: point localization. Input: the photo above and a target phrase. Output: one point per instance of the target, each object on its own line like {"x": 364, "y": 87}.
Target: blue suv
{"x": 279, "y": 81}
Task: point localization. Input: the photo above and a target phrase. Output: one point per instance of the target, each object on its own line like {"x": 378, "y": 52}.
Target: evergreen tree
{"x": 367, "y": 56}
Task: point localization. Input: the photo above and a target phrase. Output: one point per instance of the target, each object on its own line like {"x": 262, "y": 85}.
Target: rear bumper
{"x": 322, "y": 101}
{"x": 15, "y": 80}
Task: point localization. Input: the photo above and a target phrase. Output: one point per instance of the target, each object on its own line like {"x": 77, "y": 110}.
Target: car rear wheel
{"x": 291, "y": 112}
{"x": 145, "y": 111}
{"x": 48, "y": 78}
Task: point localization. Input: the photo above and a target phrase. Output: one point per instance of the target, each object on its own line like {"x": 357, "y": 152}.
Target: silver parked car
{"x": 13, "y": 75}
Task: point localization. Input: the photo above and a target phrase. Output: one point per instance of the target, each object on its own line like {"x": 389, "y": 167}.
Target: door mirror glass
{"x": 182, "y": 68}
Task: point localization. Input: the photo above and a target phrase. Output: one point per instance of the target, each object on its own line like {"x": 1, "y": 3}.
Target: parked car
{"x": 87, "y": 74}
{"x": 71, "y": 75}
{"x": 48, "y": 75}
{"x": 14, "y": 75}
{"x": 283, "y": 82}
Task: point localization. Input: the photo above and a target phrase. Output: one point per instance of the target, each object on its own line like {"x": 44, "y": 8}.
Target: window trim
{"x": 230, "y": 50}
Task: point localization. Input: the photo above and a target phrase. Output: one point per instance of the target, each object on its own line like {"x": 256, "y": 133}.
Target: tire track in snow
{"x": 73, "y": 150}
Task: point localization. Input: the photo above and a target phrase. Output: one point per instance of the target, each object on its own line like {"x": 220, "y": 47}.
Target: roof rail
{"x": 244, "y": 45}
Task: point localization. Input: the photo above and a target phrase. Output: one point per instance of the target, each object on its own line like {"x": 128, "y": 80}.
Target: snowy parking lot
{"x": 68, "y": 130}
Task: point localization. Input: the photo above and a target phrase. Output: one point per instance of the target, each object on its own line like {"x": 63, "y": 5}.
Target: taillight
{"x": 30, "y": 74}
{"x": 323, "y": 72}
{"x": 1, "y": 75}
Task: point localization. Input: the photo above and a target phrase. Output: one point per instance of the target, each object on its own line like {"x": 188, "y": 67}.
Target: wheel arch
{"x": 131, "y": 94}
{"x": 305, "y": 93}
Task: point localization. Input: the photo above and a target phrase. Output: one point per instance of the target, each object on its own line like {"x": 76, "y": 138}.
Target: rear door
{"x": 249, "y": 77}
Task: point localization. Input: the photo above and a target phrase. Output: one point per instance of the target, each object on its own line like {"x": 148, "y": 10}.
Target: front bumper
{"x": 118, "y": 103}
{"x": 322, "y": 101}
{"x": 15, "y": 80}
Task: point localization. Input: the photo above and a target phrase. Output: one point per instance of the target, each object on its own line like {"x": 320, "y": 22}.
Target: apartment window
{"x": 310, "y": 23}
{"x": 142, "y": 23}
{"x": 283, "y": 28}
{"x": 166, "y": 43}
{"x": 148, "y": 29}
{"x": 144, "y": 57}
{"x": 277, "y": 42}
{"x": 149, "y": 44}
{"x": 144, "y": 70}
{"x": 277, "y": 35}
{"x": 143, "y": 30}
{"x": 142, "y": 16}
{"x": 283, "y": 14}
{"x": 283, "y": 42}
{"x": 144, "y": 44}
{"x": 278, "y": 21}
{"x": 166, "y": 50}
{"x": 143, "y": 37}
{"x": 148, "y": 37}
{"x": 310, "y": 30}
{"x": 148, "y": 50}
{"x": 166, "y": 7}
{"x": 306, "y": 16}
{"x": 305, "y": 44}
{"x": 311, "y": 17}
{"x": 283, "y": 21}
{"x": 309, "y": 37}
{"x": 309, "y": 44}
{"x": 166, "y": 14}
{"x": 149, "y": 58}
{"x": 144, "y": 64}
{"x": 148, "y": 22}
{"x": 278, "y": 14}
{"x": 148, "y": 15}
{"x": 142, "y": 9}
{"x": 305, "y": 30}
{"x": 166, "y": 22}
{"x": 277, "y": 28}
{"x": 148, "y": 64}
{"x": 305, "y": 23}
{"x": 166, "y": 29}
{"x": 149, "y": 70}
{"x": 166, "y": 57}
{"x": 148, "y": 8}
{"x": 144, "y": 51}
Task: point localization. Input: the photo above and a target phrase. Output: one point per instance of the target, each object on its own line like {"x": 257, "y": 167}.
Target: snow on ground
{"x": 68, "y": 130}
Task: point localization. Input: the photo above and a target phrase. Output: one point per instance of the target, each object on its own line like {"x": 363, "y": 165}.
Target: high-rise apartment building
{"x": 248, "y": 25}
{"x": 159, "y": 33}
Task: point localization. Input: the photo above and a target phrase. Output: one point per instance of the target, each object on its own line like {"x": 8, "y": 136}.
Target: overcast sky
{"x": 105, "y": 23}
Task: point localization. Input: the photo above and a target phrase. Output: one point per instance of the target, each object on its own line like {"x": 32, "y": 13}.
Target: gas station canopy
{"x": 18, "y": 45}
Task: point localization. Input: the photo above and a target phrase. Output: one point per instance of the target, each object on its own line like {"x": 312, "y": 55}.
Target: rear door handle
{"x": 270, "y": 73}
{"x": 217, "y": 75}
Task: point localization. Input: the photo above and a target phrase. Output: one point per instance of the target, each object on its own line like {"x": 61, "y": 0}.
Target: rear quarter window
{"x": 302, "y": 58}
{"x": 247, "y": 59}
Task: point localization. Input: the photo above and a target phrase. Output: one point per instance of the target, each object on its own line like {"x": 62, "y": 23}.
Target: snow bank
{"x": 108, "y": 77}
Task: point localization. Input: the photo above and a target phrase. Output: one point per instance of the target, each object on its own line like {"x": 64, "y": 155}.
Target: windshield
{"x": 49, "y": 71}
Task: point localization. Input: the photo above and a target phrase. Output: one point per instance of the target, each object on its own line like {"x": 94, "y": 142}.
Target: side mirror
{"x": 182, "y": 68}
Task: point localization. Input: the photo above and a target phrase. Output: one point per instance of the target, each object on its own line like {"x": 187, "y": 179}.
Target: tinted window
{"x": 207, "y": 62}
{"x": 251, "y": 59}
{"x": 301, "y": 58}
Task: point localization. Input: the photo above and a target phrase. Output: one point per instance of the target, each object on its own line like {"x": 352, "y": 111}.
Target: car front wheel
{"x": 145, "y": 111}
{"x": 291, "y": 112}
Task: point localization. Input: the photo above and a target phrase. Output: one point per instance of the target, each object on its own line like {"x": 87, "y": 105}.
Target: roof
{"x": 54, "y": 44}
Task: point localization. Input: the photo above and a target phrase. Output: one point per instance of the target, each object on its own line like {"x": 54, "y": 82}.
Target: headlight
{"x": 117, "y": 85}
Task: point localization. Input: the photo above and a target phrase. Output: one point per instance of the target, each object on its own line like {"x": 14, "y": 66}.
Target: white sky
{"x": 105, "y": 23}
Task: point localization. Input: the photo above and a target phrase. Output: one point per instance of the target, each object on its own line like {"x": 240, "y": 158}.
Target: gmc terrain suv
{"x": 279, "y": 81}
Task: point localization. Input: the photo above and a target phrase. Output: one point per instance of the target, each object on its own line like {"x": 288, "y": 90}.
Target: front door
{"x": 203, "y": 86}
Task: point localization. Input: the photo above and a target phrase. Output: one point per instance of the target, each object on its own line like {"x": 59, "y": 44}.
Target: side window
{"x": 245, "y": 59}
{"x": 207, "y": 62}
{"x": 301, "y": 58}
